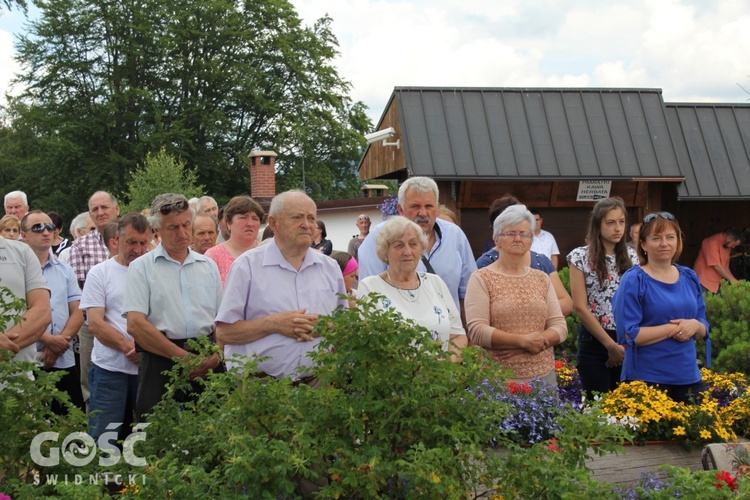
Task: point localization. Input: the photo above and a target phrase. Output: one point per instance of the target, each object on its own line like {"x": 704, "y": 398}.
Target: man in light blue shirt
{"x": 448, "y": 253}
{"x": 172, "y": 295}
{"x": 275, "y": 293}
{"x": 53, "y": 349}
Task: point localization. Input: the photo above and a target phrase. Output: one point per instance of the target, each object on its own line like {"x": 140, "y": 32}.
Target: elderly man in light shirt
{"x": 275, "y": 293}
{"x": 172, "y": 296}
{"x": 448, "y": 253}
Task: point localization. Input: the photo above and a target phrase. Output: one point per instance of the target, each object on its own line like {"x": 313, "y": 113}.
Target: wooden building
{"x": 542, "y": 145}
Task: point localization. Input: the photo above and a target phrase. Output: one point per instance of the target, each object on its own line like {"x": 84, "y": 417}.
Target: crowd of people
{"x": 132, "y": 290}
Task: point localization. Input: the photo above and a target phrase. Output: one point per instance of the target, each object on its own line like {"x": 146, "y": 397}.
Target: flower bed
{"x": 720, "y": 415}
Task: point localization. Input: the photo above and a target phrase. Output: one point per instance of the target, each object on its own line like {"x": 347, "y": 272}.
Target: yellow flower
{"x": 705, "y": 434}
{"x": 679, "y": 431}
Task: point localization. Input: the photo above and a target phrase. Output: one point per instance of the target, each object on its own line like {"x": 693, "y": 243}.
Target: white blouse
{"x": 430, "y": 305}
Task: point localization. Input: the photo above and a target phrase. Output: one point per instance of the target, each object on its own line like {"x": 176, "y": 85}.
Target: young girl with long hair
{"x": 595, "y": 271}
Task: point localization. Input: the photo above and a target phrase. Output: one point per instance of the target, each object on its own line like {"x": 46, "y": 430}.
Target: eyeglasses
{"x": 653, "y": 216}
{"x": 40, "y": 227}
{"x": 179, "y": 206}
{"x": 512, "y": 235}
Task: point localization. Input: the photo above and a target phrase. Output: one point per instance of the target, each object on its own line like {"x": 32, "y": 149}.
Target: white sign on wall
{"x": 593, "y": 190}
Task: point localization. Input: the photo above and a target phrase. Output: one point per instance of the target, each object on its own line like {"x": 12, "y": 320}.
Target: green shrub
{"x": 728, "y": 315}
{"x": 570, "y": 346}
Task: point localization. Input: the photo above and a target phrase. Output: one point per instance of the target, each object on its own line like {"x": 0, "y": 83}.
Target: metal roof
{"x": 713, "y": 146}
{"x": 539, "y": 134}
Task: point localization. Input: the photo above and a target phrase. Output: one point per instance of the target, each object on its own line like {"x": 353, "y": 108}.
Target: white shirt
{"x": 105, "y": 287}
{"x": 430, "y": 305}
{"x": 545, "y": 244}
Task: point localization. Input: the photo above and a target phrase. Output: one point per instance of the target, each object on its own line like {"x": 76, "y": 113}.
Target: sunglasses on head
{"x": 179, "y": 206}
{"x": 653, "y": 216}
{"x": 40, "y": 227}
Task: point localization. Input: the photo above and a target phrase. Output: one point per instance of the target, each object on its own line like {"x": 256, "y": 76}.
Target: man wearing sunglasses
{"x": 712, "y": 264}
{"x": 172, "y": 295}
{"x": 53, "y": 349}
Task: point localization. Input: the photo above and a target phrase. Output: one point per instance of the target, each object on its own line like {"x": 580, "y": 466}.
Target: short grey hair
{"x": 78, "y": 222}
{"x": 194, "y": 203}
{"x": 418, "y": 184}
{"x": 279, "y": 201}
{"x": 206, "y": 198}
{"x": 14, "y": 195}
{"x": 112, "y": 198}
{"x": 393, "y": 230}
{"x": 514, "y": 214}
{"x": 161, "y": 200}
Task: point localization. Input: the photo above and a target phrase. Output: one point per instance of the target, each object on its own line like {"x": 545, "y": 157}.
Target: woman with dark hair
{"x": 349, "y": 269}
{"x": 243, "y": 216}
{"x": 595, "y": 271}
{"x": 58, "y": 242}
{"x": 320, "y": 243}
{"x": 660, "y": 314}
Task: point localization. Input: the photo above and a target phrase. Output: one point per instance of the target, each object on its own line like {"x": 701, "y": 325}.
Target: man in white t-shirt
{"x": 544, "y": 243}
{"x": 113, "y": 376}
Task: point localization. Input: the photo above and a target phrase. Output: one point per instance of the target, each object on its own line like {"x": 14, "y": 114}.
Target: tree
{"x": 209, "y": 80}
{"x": 160, "y": 173}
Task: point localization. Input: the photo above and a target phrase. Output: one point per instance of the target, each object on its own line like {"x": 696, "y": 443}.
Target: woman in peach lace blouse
{"x": 511, "y": 309}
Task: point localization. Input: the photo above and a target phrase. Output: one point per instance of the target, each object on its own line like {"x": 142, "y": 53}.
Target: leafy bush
{"x": 728, "y": 315}
{"x": 571, "y": 343}
{"x": 160, "y": 173}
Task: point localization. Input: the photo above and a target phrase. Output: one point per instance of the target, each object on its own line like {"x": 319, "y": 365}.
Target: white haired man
{"x": 275, "y": 293}
{"x": 16, "y": 203}
{"x": 448, "y": 253}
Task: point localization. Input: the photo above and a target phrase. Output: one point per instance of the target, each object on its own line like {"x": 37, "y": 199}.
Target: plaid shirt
{"x": 86, "y": 252}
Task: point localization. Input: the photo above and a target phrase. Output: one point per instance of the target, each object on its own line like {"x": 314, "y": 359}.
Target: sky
{"x": 694, "y": 50}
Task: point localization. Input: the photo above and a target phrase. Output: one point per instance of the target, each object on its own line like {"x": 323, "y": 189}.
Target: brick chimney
{"x": 262, "y": 175}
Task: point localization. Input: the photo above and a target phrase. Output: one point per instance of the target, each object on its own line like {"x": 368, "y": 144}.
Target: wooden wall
{"x": 381, "y": 161}
{"x": 564, "y": 217}
{"x": 701, "y": 219}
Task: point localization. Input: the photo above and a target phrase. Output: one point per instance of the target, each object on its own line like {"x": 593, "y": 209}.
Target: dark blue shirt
{"x": 538, "y": 261}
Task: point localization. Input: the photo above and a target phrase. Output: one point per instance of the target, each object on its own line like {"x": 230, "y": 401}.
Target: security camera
{"x": 380, "y": 135}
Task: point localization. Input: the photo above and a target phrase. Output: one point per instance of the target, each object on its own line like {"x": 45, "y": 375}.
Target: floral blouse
{"x": 599, "y": 295}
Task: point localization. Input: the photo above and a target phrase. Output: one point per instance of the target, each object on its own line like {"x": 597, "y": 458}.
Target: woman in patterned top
{"x": 595, "y": 272}
{"x": 419, "y": 296}
{"x": 511, "y": 309}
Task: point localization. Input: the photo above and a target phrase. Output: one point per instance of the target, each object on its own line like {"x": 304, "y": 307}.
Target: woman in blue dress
{"x": 660, "y": 313}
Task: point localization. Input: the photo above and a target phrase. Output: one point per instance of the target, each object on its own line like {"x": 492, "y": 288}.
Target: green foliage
{"x": 570, "y": 345}
{"x": 393, "y": 419}
{"x": 11, "y": 308}
{"x": 25, "y": 412}
{"x": 160, "y": 173}
{"x": 728, "y": 315}
{"x": 208, "y": 81}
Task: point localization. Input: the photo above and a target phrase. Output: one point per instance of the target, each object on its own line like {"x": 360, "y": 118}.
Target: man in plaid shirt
{"x": 86, "y": 252}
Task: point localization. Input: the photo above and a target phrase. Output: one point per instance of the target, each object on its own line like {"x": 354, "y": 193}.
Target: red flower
{"x": 558, "y": 364}
{"x": 552, "y": 446}
{"x": 727, "y": 478}
{"x": 515, "y": 388}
